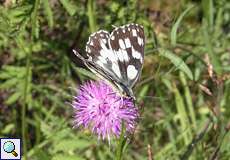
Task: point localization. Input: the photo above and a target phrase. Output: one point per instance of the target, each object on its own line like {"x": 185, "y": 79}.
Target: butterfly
{"x": 117, "y": 57}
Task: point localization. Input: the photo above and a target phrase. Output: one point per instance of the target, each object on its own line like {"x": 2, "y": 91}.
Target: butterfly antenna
{"x": 78, "y": 55}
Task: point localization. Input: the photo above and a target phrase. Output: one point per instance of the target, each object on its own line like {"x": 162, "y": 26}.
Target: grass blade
{"x": 177, "y": 24}
{"x": 70, "y": 7}
{"x": 177, "y": 61}
{"x": 49, "y": 13}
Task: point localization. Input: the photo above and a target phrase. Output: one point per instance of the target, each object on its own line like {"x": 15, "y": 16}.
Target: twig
{"x": 150, "y": 154}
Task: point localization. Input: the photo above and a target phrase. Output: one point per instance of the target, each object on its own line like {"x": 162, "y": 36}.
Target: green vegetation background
{"x": 184, "y": 107}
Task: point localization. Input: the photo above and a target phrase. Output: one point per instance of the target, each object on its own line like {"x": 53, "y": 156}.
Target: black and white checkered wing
{"x": 127, "y": 43}
{"x": 117, "y": 57}
{"x": 100, "y": 53}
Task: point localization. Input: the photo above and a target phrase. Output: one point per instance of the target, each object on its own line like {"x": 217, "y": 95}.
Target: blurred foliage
{"x": 184, "y": 106}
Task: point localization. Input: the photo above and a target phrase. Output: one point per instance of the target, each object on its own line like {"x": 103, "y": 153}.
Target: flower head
{"x": 99, "y": 108}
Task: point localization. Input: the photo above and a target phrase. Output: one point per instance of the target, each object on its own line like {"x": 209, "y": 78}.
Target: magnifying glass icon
{"x": 9, "y": 147}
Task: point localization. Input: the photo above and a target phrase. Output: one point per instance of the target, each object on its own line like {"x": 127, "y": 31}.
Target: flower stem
{"x": 27, "y": 78}
{"x": 121, "y": 143}
{"x": 24, "y": 99}
{"x": 24, "y": 125}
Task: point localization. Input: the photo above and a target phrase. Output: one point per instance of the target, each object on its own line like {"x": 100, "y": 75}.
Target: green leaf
{"x": 73, "y": 144}
{"x": 70, "y": 7}
{"x": 42, "y": 154}
{"x": 182, "y": 115}
{"x": 176, "y": 26}
{"x": 9, "y": 84}
{"x": 8, "y": 128}
{"x": 208, "y": 10}
{"x": 188, "y": 98}
{"x": 13, "y": 98}
{"x": 67, "y": 157}
{"x": 87, "y": 73}
{"x": 143, "y": 91}
{"x": 35, "y": 20}
{"x": 207, "y": 38}
{"x": 19, "y": 13}
{"x": 177, "y": 61}
{"x": 5, "y": 75}
{"x": 91, "y": 15}
{"x": 49, "y": 13}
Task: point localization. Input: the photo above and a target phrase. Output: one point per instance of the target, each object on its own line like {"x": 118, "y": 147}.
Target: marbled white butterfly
{"x": 117, "y": 57}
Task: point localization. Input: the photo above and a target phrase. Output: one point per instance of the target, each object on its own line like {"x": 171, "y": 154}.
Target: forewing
{"x": 117, "y": 57}
{"x": 99, "y": 53}
{"x": 127, "y": 43}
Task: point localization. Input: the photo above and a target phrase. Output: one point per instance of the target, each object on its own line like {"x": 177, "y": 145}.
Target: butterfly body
{"x": 117, "y": 57}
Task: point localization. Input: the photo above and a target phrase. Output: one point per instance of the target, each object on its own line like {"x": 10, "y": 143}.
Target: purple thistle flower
{"x": 99, "y": 108}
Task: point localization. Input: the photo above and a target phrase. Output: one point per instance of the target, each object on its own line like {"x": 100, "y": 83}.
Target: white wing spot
{"x": 136, "y": 54}
{"x": 131, "y": 72}
{"x": 127, "y": 43}
{"x": 140, "y": 41}
{"x": 91, "y": 43}
{"x": 107, "y": 53}
{"x": 100, "y": 63}
{"x": 121, "y": 43}
{"x": 119, "y": 55}
{"x": 104, "y": 40}
{"x": 116, "y": 70}
{"x": 88, "y": 49}
{"x": 102, "y": 59}
{"x": 123, "y": 30}
{"x": 112, "y": 37}
{"x": 134, "y": 32}
{"x": 90, "y": 58}
{"x": 125, "y": 55}
{"x": 122, "y": 55}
